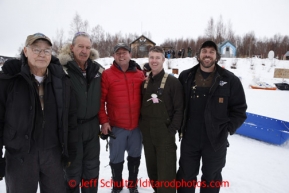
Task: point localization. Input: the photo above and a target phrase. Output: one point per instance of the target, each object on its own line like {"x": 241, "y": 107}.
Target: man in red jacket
{"x": 119, "y": 113}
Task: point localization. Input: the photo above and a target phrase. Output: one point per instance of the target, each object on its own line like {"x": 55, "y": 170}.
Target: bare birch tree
{"x": 230, "y": 33}
{"x": 210, "y": 30}
{"x": 220, "y": 30}
{"x": 78, "y": 25}
{"x": 58, "y": 42}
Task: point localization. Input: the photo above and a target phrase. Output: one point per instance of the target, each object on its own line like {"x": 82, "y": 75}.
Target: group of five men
{"x": 51, "y": 110}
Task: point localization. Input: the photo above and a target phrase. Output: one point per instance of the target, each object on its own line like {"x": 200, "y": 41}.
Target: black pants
{"x": 24, "y": 171}
{"x": 85, "y": 168}
{"x": 196, "y": 146}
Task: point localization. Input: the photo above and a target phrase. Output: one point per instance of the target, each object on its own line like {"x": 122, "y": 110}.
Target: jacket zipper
{"x": 127, "y": 86}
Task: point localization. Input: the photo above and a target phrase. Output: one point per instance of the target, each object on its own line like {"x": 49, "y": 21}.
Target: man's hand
{"x": 105, "y": 128}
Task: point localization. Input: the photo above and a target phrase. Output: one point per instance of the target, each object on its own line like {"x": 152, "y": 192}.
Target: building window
{"x": 227, "y": 49}
{"x": 142, "y": 48}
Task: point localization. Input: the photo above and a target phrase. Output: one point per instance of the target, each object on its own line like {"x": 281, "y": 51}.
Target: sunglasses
{"x": 39, "y": 35}
{"x": 80, "y": 34}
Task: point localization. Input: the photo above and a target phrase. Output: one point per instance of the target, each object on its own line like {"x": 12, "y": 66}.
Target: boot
{"x": 133, "y": 190}
{"x": 116, "y": 170}
{"x": 133, "y": 165}
{"x": 115, "y": 191}
{"x": 90, "y": 185}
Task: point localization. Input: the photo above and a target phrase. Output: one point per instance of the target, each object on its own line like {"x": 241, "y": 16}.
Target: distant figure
{"x": 173, "y": 53}
{"x": 169, "y": 54}
{"x": 166, "y": 54}
{"x": 189, "y": 52}
{"x": 180, "y": 53}
{"x": 183, "y": 52}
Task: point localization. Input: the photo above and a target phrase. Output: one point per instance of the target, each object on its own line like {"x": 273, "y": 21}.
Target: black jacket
{"x": 226, "y": 105}
{"x": 18, "y": 104}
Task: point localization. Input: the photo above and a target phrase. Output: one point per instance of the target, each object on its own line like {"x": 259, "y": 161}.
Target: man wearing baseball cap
{"x": 38, "y": 121}
{"x": 119, "y": 113}
{"x": 215, "y": 106}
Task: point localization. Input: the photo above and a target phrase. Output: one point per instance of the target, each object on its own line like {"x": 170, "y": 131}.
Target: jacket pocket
{"x": 10, "y": 139}
{"x": 9, "y": 133}
{"x": 220, "y": 103}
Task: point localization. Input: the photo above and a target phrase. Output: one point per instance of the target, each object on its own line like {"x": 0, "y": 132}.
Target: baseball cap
{"x": 209, "y": 43}
{"x": 32, "y": 38}
{"x": 147, "y": 67}
{"x": 121, "y": 45}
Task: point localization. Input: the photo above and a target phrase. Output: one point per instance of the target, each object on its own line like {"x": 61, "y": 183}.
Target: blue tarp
{"x": 266, "y": 129}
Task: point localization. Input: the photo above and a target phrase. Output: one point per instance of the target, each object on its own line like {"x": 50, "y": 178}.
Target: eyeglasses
{"x": 37, "y": 51}
{"x": 81, "y": 33}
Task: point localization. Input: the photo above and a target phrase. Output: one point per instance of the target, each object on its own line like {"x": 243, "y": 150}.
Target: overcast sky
{"x": 162, "y": 18}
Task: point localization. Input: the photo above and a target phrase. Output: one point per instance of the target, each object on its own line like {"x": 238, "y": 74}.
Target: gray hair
{"x": 83, "y": 34}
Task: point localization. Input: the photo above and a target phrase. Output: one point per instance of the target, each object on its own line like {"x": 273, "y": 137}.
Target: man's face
{"x": 122, "y": 57}
{"x": 156, "y": 61}
{"x": 38, "y": 55}
{"x": 81, "y": 49}
{"x": 207, "y": 58}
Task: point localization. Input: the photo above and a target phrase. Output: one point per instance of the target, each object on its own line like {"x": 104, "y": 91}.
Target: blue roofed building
{"x": 227, "y": 49}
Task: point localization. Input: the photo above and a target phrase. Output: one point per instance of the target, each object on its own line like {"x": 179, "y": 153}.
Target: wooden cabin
{"x": 140, "y": 47}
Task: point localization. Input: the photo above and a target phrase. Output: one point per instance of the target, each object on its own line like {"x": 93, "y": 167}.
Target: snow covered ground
{"x": 252, "y": 166}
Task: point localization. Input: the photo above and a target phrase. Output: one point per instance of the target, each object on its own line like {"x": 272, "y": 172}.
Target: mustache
{"x": 82, "y": 54}
{"x": 207, "y": 57}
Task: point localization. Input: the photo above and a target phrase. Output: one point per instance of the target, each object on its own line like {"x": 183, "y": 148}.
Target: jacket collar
{"x": 157, "y": 77}
{"x": 131, "y": 66}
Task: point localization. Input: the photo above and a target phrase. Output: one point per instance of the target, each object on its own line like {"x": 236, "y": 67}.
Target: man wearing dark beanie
{"x": 215, "y": 106}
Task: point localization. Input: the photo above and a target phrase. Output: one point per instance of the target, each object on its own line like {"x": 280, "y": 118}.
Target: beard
{"x": 206, "y": 64}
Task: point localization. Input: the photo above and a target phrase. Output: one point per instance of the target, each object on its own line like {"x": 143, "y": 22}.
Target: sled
{"x": 264, "y": 88}
{"x": 265, "y": 129}
{"x": 262, "y": 85}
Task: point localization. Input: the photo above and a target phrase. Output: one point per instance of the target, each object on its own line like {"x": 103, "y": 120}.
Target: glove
{"x": 12, "y": 66}
{"x": 2, "y": 168}
{"x": 104, "y": 137}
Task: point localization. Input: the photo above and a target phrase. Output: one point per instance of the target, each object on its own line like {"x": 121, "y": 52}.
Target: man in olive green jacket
{"x": 85, "y": 75}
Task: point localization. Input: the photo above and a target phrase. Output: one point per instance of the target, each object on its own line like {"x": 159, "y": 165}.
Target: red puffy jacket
{"x": 121, "y": 96}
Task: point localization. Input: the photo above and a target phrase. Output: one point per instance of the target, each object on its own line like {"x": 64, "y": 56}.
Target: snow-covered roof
{"x": 220, "y": 45}
{"x": 143, "y": 37}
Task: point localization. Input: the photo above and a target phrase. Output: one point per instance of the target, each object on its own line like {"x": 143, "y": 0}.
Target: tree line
{"x": 247, "y": 45}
